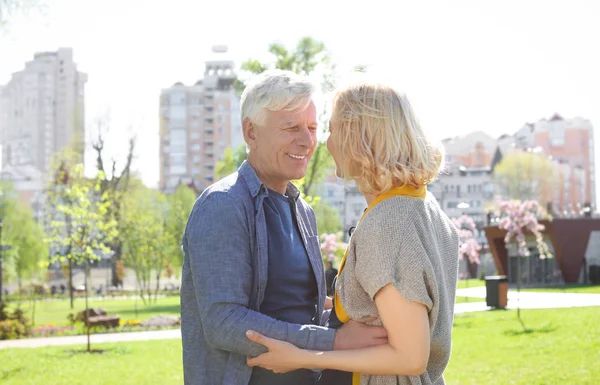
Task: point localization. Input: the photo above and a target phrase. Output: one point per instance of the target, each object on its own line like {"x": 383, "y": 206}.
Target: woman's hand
{"x": 282, "y": 357}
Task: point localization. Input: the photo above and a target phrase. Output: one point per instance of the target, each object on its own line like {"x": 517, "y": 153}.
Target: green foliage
{"x": 231, "y": 161}
{"x": 180, "y": 205}
{"x": 526, "y": 176}
{"x": 151, "y": 227}
{"x": 79, "y": 224}
{"x": 307, "y": 56}
{"x": 328, "y": 218}
{"x": 145, "y": 240}
{"x": 13, "y": 325}
{"x": 25, "y": 237}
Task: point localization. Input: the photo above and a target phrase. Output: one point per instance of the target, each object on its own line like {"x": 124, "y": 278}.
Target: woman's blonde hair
{"x": 380, "y": 140}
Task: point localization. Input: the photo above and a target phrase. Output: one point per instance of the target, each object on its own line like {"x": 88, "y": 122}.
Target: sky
{"x": 464, "y": 65}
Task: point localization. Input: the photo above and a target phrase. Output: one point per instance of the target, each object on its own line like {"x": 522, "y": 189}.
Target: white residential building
{"x": 42, "y": 110}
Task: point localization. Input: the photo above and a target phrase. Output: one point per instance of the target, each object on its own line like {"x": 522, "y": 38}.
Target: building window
{"x": 195, "y": 135}
{"x": 178, "y": 141}
{"x": 178, "y": 159}
{"x": 177, "y": 112}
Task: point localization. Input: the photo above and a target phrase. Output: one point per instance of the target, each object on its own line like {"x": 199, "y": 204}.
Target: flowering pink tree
{"x": 517, "y": 218}
{"x": 332, "y": 247}
{"x": 469, "y": 247}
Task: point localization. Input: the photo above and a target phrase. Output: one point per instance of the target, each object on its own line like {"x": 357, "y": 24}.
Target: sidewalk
{"x": 528, "y": 300}
{"x": 94, "y": 338}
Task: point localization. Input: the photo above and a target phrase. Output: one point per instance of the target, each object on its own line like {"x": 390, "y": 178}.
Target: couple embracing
{"x": 253, "y": 295}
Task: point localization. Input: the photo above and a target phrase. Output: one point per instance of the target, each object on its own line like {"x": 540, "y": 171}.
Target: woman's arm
{"x": 407, "y": 351}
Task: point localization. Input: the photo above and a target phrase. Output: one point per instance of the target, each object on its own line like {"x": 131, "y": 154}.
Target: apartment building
{"x": 197, "y": 123}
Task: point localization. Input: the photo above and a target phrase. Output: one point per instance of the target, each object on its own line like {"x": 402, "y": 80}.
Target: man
{"x": 252, "y": 255}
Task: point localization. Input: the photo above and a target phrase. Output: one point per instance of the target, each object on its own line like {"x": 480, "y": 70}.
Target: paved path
{"x": 528, "y": 300}
{"x": 95, "y": 339}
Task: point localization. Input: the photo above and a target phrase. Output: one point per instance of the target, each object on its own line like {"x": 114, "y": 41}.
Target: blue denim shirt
{"x": 224, "y": 279}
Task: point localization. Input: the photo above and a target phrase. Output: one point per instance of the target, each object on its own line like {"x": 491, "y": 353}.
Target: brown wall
{"x": 569, "y": 239}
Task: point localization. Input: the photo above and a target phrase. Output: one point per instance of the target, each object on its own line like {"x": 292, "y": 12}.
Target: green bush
{"x": 12, "y": 329}
{"x": 13, "y": 325}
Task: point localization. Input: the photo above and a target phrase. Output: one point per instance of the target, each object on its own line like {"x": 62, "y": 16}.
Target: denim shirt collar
{"x": 257, "y": 187}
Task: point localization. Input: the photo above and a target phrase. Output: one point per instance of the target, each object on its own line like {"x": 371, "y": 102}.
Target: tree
{"x": 468, "y": 246}
{"x": 116, "y": 184}
{"x": 332, "y": 247}
{"x": 80, "y": 228}
{"x": 527, "y": 176}
{"x": 26, "y": 239}
{"x": 146, "y": 243}
{"x": 307, "y": 56}
{"x": 328, "y": 218}
{"x": 517, "y": 218}
{"x": 231, "y": 161}
{"x": 179, "y": 206}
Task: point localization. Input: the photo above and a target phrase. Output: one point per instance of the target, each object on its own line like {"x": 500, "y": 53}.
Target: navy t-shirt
{"x": 291, "y": 294}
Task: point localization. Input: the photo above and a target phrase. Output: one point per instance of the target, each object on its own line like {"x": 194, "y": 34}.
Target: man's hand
{"x": 328, "y": 303}
{"x": 355, "y": 335}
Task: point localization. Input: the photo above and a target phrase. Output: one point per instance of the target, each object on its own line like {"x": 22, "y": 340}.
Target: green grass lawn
{"x": 465, "y": 283}
{"x": 561, "y": 346}
{"x": 463, "y": 299}
{"x": 589, "y": 289}
{"x": 148, "y": 362}
{"x": 128, "y": 309}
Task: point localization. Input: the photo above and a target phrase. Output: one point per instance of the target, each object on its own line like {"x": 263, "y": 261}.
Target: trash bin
{"x": 594, "y": 274}
{"x": 496, "y": 288}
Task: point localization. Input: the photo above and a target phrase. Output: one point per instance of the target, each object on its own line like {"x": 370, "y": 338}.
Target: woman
{"x": 400, "y": 267}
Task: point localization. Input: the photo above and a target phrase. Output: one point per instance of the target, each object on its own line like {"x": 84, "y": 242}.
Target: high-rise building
{"x": 42, "y": 110}
{"x": 197, "y": 124}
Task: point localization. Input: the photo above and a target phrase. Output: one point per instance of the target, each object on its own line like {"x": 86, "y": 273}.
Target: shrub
{"x": 13, "y": 325}
{"x": 12, "y": 329}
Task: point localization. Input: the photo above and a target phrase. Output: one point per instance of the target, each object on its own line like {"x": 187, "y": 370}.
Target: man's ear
{"x": 249, "y": 130}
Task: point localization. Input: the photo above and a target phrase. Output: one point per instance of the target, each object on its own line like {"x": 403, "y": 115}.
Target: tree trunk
{"x": 157, "y": 286}
{"x": 87, "y": 305}
{"x": 519, "y": 292}
{"x": 314, "y": 167}
{"x": 117, "y": 251}
{"x": 71, "y": 282}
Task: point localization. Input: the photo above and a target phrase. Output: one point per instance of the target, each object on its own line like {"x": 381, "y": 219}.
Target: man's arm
{"x": 218, "y": 248}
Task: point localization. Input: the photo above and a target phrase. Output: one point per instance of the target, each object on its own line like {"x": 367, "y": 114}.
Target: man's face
{"x": 282, "y": 145}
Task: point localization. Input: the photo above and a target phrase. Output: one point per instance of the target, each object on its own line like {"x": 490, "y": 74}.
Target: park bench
{"x": 108, "y": 321}
{"x": 98, "y": 317}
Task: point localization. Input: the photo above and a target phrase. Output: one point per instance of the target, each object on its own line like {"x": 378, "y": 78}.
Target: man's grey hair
{"x": 275, "y": 90}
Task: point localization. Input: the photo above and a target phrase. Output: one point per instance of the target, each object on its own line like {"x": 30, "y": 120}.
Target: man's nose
{"x": 307, "y": 137}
